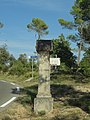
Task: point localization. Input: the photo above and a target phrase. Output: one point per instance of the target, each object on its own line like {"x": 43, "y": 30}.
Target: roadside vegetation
{"x": 70, "y": 82}
{"x": 71, "y": 100}
{"x": 70, "y": 88}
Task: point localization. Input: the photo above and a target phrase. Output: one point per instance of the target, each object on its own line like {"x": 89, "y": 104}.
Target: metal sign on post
{"x": 34, "y": 56}
{"x": 55, "y": 61}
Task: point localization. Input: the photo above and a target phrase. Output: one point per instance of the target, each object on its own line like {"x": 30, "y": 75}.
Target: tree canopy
{"x": 81, "y": 14}
{"x": 81, "y": 11}
{"x": 38, "y": 26}
{"x": 4, "y": 59}
{"x": 63, "y": 51}
{"x": 81, "y": 24}
{"x": 85, "y": 63}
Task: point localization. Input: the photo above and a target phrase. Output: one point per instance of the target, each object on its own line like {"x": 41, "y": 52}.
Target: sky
{"x": 16, "y": 14}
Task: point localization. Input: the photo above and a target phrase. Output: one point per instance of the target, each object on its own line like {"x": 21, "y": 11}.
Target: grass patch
{"x": 20, "y": 80}
{"x": 69, "y": 103}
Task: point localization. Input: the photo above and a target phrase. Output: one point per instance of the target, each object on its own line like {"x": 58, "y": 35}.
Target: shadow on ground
{"x": 27, "y": 95}
{"x": 73, "y": 97}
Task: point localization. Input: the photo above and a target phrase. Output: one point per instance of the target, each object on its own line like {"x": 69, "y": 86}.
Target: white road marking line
{"x": 12, "y": 99}
{"x": 12, "y": 83}
{"x": 7, "y": 82}
{"x": 2, "y": 81}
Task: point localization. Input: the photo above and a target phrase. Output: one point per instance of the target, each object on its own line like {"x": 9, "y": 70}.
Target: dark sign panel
{"x": 44, "y": 45}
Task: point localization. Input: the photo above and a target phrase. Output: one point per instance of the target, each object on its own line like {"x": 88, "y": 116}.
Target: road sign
{"x": 55, "y": 61}
{"x": 34, "y": 56}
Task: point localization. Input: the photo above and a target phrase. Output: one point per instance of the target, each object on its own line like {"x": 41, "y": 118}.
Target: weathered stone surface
{"x": 44, "y": 75}
{"x": 43, "y": 104}
{"x": 43, "y": 101}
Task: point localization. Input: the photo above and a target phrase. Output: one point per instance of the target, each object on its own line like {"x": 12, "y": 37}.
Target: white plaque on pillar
{"x": 55, "y": 61}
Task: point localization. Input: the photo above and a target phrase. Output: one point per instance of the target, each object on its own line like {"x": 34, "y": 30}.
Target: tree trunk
{"x": 79, "y": 53}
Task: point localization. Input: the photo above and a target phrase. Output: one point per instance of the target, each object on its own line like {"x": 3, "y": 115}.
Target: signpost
{"x": 33, "y": 57}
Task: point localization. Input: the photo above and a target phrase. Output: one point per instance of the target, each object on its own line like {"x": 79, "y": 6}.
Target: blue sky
{"x": 16, "y": 14}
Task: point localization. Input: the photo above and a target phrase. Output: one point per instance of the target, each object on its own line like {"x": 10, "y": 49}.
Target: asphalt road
{"x": 6, "y": 95}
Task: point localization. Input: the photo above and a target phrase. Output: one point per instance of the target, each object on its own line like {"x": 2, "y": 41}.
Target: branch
{"x": 66, "y": 24}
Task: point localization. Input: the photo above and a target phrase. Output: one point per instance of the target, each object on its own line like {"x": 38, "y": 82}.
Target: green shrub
{"x": 25, "y": 100}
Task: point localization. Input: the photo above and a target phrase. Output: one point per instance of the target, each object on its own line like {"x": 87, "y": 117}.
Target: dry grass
{"x": 15, "y": 112}
{"x": 19, "y": 112}
{"x": 64, "y": 89}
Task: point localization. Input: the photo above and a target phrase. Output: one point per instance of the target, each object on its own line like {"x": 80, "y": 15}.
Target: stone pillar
{"x": 43, "y": 101}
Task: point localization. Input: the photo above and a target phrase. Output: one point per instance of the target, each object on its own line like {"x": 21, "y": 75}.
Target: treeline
{"x": 69, "y": 63}
{"x": 61, "y": 47}
{"x": 81, "y": 26}
{"x": 9, "y": 64}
